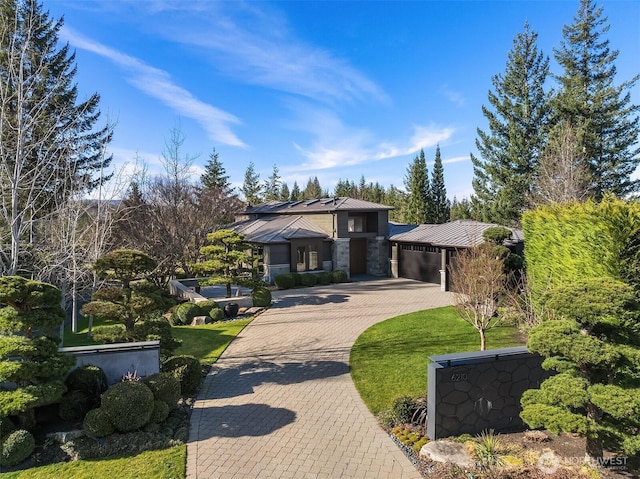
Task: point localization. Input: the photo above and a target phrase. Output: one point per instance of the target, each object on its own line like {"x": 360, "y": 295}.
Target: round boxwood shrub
{"x": 186, "y": 312}
{"x": 339, "y": 276}
{"x": 73, "y": 406}
{"x": 91, "y": 380}
{"x": 297, "y": 279}
{"x": 261, "y": 297}
{"x": 216, "y": 314}
{"x": 128, "y": 404}
{"x": 185, "y": 369}
{"x": 16, "y": 447}
{"x": 111, "y": 334}
{"x": 165, "y": 387}
{"x": 160, "y": 411}
{"x": 207, "y": 306}
{"x": 323, "y": 278}
{"x": 97, "y": 424}
{"x": 157, "y": 328}
{"x": 284, "y": 281}
{"x": 309, "y": 279}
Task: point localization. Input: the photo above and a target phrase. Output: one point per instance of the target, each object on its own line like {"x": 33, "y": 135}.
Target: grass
{"x": 161, "y": 464}
{"x": 208, "y": 342}
{"x": 390, "y": 358}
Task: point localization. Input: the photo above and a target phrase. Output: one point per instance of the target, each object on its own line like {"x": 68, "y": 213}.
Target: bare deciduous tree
{"x": 478, "y": 282}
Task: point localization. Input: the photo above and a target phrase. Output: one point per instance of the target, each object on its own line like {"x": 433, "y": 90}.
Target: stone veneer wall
{"x": 378, "y": 256}
{"x": 472, "y": 392}
{"x": 340, "y": 255}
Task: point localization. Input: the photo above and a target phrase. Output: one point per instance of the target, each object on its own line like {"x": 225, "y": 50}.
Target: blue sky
{"x": 333, "y": 89}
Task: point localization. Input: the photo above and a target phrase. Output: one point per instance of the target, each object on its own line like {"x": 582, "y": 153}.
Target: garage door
{"x": 419, "y": 262}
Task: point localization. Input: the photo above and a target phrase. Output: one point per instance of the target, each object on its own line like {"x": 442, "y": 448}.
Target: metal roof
{"x": 457, "y": 234}
{"x": 322, "y": 205}
{"x": 277, "y": 229}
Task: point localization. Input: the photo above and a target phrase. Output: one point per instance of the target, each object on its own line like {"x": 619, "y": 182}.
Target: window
{"x": 356, "y": 224}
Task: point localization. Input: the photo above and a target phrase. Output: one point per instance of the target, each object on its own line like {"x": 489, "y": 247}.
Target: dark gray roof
{"x": 457, "y": 234}
{"x": 324, "y": 205}
{"x": 277, "y": 229}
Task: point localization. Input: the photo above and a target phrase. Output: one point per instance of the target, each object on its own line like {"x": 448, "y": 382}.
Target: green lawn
{"x": 209, "y": 341}
{"x": 390, "y": 358}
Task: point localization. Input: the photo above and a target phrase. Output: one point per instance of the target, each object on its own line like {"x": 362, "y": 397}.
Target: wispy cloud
{"x": 158, "y": 84}
{"x": 452, "y": 95}
{"x": 254, "y": 44}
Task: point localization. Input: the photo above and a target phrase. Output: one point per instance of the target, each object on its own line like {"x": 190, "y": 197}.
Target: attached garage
{"x": 419, "y": 262}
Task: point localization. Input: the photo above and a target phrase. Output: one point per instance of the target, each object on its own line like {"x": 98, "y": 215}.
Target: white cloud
{"x": 158, "y": 84}
{"x": 452, "y": 95}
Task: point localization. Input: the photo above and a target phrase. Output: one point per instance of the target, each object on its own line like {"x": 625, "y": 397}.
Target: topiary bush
{"x": 157, "y": 328}
{"x": 284, "y": 281}
{"x": 16, "y": 447}
{"x": 6, "y": 426}
{"x": 308, "y": 279}
{"x": 187, "y": 370}
{"x": 97, "y": 424}
{"x": 160, "y": 412}
{"x": 73, "y": 406}
{"x": 90, "y": 380}
{"x": 323, "y": 278}
{"x": 111, "y": 334}
{"x": 207, "y": 306}
{"x": 261, "y": 297}
{"x": 216, "y": 314}
{"x": 339, "y": 276}
{"x": 186, "y": 312}
{"x": 128, "y": 405}
{"x": 297, "y": 279}
{"x": 165, "y": 387}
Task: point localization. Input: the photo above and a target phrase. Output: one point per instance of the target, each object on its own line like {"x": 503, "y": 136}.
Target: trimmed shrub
{"x": 207, "y": 306}
{"x": 6, "y": 426}
{"x": 309, "y": 279}
{"x": 339, "y": 276}
{"x": 186, "y": 312}
{"x": 97, "y": 424}
{"x": 284, "y": 281}
{"x": 128, "y": 404}
{"x": 111, "y": 334}
{"x": 165, "y": 387}
{"x": 157, "y": 329}
{"x": 261, "y": 297}
{"x": 73, "y": 406}
{"x": 90, "y": 380}
{"x": 16, "y": 447}
{"x": 297, "y": 279}
{"x": 187, "y": 370}
{"x": 160, "y": 412}
{"x": 216, "y": 314}
{"x": 323, "y": 278}
{"x": 403, "y": 408}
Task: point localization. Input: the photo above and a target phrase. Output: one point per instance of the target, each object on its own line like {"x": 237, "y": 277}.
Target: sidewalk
{"x": 280, "y": 403}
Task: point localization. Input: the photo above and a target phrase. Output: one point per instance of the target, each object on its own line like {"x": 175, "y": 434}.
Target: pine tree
{"x": 272, "y": 186}
{"x": 590, "y": 101}
{"x": 251, "y": 188}
{"x": 518, "y": 117}
{"x": 285, "y": 194}
{"x": 397, "y": 199}
{"x": 440, "y": 204}
{"x": 214, "y": 176}
{"x": 313, "y": 190}
{"x": 296, "y": 194}
{"x": 418, "y": 198}
{"x": 50, "y": 143}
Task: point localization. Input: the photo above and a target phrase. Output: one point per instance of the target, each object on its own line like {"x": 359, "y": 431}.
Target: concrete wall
{"x": 472, "y": 392}
{"x": 116, "y": 360}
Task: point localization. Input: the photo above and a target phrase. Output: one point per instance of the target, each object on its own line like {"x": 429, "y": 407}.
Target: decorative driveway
{"x": 280, "y": 403}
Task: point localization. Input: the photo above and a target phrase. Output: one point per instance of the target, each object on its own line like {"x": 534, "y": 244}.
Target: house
{"x": 355, "y": 236}
{"x": 318, "y": 235}
{"x": 426, "y": 252}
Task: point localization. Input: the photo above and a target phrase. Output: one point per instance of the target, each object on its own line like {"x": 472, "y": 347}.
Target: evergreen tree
{"x": 285, "y": 195}
{"x": 272, "y": 186}
{"x": 440, "y": 204}
{"x": 590, "y": 101}
{"x": 251, "y": 188}
{"x": 313, "y": 190}
{"x": 518, "y": 119}
{"x": 345, "y": 188}
{"x": 397, "y": 199}
{"x": 418, "y": 198}
{"x": 460, "y": 210}
{"x": 214, "y": 176}
{"x": 50, "y": 144}
{"x": 296, "y": 194}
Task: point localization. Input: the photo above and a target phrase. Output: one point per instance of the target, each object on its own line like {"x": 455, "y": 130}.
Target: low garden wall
{"x": 119, "y": 359}
{"x": 472, "y": 392}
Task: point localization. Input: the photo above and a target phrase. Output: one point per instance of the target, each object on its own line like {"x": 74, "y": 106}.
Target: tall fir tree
{"x": 593, "y": 104}
{"x": 296, "y": 194}
{"x": 440, "y": 204}
{"x": 397, "y": 199}
{"x": 272, "y": 185}
{"x": 313, "y": 190}
{"x": 51, "y": 143}
{"x": 285, "y": 194}
{"x": 518, "y": 118}
{"x": 251, "y": 187}
{"x": 418, "y": 197}
{"x": 215, "y": 176}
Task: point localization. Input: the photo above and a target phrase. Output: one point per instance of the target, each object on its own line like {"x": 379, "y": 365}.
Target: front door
{"x": 358, "y": 256}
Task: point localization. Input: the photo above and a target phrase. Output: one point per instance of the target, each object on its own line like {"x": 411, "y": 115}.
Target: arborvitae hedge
{"x": 575, "y": 241}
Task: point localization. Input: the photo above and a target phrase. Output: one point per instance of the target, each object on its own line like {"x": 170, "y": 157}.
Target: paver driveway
{"x": 280, "y": 403}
